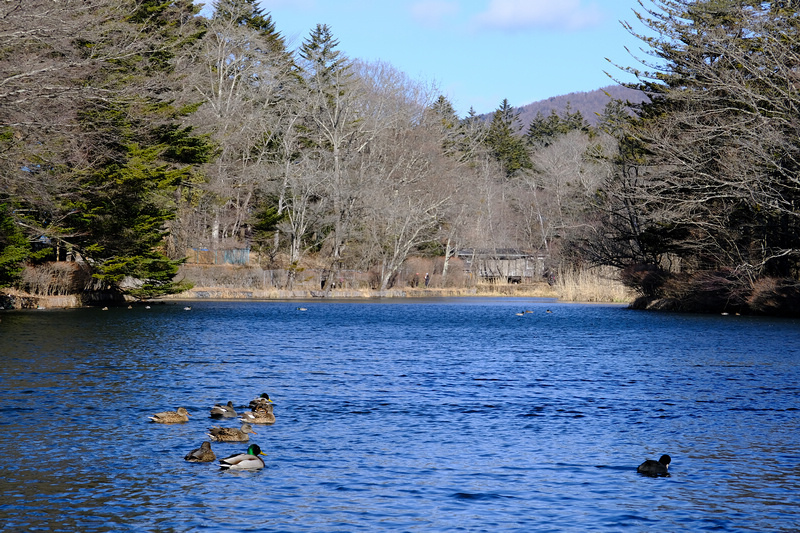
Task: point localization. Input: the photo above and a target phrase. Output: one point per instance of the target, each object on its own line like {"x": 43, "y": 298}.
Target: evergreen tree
{"x": 331, "y": 122}
{"x": 450, "y": 127}
{"x": 543, "y": 131}
{"x": 504, "y": 141}
{"x": 719, "y": 187}
{"x": 14, "y": 248}
{"x": 326, "y": 70}
{"x": 138, "y": 155}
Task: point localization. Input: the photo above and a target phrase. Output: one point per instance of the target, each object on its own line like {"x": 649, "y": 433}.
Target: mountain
{"x": 588, "y": 103}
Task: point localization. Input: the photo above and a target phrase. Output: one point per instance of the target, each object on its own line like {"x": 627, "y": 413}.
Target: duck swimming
{"x": 261, "y": 414}
{"x": 221, "y": 434}
{"x": 203, "y": 454}
{"x": 244, "y": 461}
{"x": 655, "y": 468}
{"x": 223, "y": 411}
{"x": 171, "y": 417}
{"x": 261, "y": 401}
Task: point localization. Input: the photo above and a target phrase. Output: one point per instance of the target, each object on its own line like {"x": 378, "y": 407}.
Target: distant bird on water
{"x": 655, "y": 468}
{"x": 221, "y": 434}
{"x": 171, "y": 417}
{"x": 203, "y": 454}
{"x": 244, "y": 461}
{"x": 223, "y": 411}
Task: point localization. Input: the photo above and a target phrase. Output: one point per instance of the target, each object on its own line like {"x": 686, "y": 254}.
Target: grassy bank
{"x": 253, "y": 283}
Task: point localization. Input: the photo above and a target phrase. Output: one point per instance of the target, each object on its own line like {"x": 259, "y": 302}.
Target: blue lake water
{"x": 402, "y": 415}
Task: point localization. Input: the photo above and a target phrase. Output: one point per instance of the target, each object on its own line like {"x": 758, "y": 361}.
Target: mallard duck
{"x": 244, "y": 461}
{"x": 221, "y": 434}
{"x": 203, "y": 454}
{"x": 261, "y": 401}
{"x": 655, "y": 468}
{"x": 262, "y": 414}
{"x": 171, "y": 417}
{"x": 223, "y": 411}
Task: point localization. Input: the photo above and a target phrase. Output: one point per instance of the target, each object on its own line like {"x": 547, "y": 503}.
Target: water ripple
{"x": 442, "y": 415}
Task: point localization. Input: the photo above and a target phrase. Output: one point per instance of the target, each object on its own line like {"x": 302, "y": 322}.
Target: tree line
{"x": 134, "y": 130}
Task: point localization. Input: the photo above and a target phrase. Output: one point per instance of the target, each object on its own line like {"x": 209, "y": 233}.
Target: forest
{"x": 135, "y": 131}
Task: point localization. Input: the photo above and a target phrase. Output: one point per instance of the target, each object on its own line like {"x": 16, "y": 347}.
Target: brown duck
{"x": 221, "y": 434}
{"x": 203, "y": 454}
{"x": 171, "y": 417}
{"x": 262, "y": 414}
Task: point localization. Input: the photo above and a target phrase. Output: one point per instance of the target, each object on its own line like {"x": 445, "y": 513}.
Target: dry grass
{"x": 249, "y": 282}
{"x": 56, "y": 279}
{"x": 599, "y": 284}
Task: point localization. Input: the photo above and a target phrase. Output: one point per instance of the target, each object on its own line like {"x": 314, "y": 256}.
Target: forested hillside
{"x": 589, "y": 103}
{"x": 133, "y": 132}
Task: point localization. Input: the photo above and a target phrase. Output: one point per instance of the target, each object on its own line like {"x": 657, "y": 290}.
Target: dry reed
{"x": 600, "y": 284}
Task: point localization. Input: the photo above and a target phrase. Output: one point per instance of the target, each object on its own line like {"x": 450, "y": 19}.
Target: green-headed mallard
{"x": 261, "y": 401}
{"x": 221, "y": 434}
{"x": 655, "y": 468}
{"x": 171, "y": 417}
{"x": 244, "y": 461}
{"x": 203, "y": 454}
{"x": 223, "y": 411}
{"x": 262, "y": 414}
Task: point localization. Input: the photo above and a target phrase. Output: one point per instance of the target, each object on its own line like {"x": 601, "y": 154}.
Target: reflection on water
{"x": 430, "y": 415}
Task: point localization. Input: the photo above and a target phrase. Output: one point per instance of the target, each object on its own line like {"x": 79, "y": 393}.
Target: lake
{"x": 401, "y": 415}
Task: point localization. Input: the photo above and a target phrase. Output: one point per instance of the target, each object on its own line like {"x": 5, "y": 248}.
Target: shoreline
{"x": 17, "y": 300}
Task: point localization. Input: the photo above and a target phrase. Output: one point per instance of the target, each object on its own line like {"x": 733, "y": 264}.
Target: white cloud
{"x": 548, "y": 14}
{"x": 433, "y": 12}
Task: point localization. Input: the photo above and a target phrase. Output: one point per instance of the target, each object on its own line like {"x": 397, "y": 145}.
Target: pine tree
{"x": 331, "y": 121}
{"x": 504, "y": 141}
{"x": 14, "y": 248}
{"x": 139, "y": 154}
{"x": 719, "y": 187}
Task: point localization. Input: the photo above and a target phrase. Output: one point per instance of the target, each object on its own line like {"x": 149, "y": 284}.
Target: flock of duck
{"x": 261, "y": 412}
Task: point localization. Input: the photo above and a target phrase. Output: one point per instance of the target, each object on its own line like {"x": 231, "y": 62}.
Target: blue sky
{"x": 477, "y": 51}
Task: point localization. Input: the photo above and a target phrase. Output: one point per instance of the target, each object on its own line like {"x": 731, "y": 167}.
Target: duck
{"x": 261, "y": 401}
{"x": 262, "y": 414}
{"x": 223, "y": 411}
{"x": 171, "y": 417}
{"x": 221, "y": 434}
{"x": 655, "y": 468}
{"x": 302, "y": 309}
{"x": 244, "y": 461}
{"x": 520, "y": 313}
{"x": 203, "y": 454}
{"x": 187, "y": 308}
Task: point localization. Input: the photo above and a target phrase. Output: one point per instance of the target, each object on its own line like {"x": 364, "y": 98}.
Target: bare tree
{"x": 244, "y": 78}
